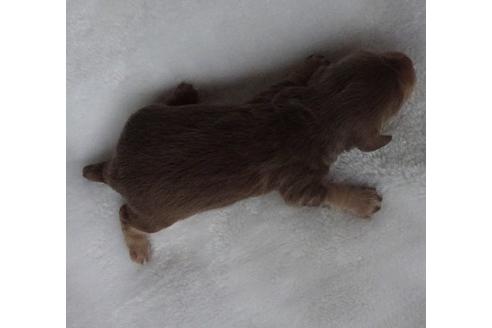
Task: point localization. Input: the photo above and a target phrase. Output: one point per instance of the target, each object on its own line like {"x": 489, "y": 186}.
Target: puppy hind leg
{"x": 136, "y": 240}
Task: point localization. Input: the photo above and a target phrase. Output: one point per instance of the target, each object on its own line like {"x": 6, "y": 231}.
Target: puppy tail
{"x": 94, "y": 172}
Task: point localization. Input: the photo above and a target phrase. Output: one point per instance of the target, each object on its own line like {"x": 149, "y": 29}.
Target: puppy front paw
{"x": 364, "y": 201}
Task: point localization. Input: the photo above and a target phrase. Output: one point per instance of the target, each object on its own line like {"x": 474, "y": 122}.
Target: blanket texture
{"x": 258, "y": 263}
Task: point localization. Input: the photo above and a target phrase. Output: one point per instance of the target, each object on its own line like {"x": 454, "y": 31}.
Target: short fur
{"x": 178, "y": 158}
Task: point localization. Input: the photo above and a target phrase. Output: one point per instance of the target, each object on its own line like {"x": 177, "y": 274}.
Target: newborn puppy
{"x": 177, "y": 158}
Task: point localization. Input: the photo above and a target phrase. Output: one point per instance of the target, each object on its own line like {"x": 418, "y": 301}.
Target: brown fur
{"x": 177, "y": 158}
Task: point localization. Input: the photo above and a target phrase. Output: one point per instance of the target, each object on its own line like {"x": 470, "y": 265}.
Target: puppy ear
{"x": 289, "y": 95}
{"x": 319, "y": 75}
{"x": 289, "y": 102}
{"x": 373, "y": 143}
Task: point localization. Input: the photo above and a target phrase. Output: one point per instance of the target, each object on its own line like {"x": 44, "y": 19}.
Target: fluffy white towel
{"x": 258, "y": 263}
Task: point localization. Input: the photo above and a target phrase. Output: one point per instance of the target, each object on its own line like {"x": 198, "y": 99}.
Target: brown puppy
{"x": 175, "y": 159}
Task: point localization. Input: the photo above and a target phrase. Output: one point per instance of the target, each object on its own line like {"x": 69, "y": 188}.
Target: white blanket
{"x": 258, "y": 263}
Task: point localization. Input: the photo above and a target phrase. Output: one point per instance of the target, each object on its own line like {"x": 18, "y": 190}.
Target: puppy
{"x": 177, "y": 158}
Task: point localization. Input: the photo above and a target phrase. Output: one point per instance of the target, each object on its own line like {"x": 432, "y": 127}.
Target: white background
{"x": 458, "y": 225}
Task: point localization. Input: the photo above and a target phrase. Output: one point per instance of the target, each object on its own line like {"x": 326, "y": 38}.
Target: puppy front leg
{"x": 361, "y": 201}
{"x": 299, "y": 194}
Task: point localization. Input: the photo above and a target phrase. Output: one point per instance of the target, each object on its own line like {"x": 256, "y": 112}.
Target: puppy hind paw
{"x": 140, "y": 251}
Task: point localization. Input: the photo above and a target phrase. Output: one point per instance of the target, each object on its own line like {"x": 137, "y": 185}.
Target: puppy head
{"x": 371, "y": 87}
{"x": 405, "y": 79}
